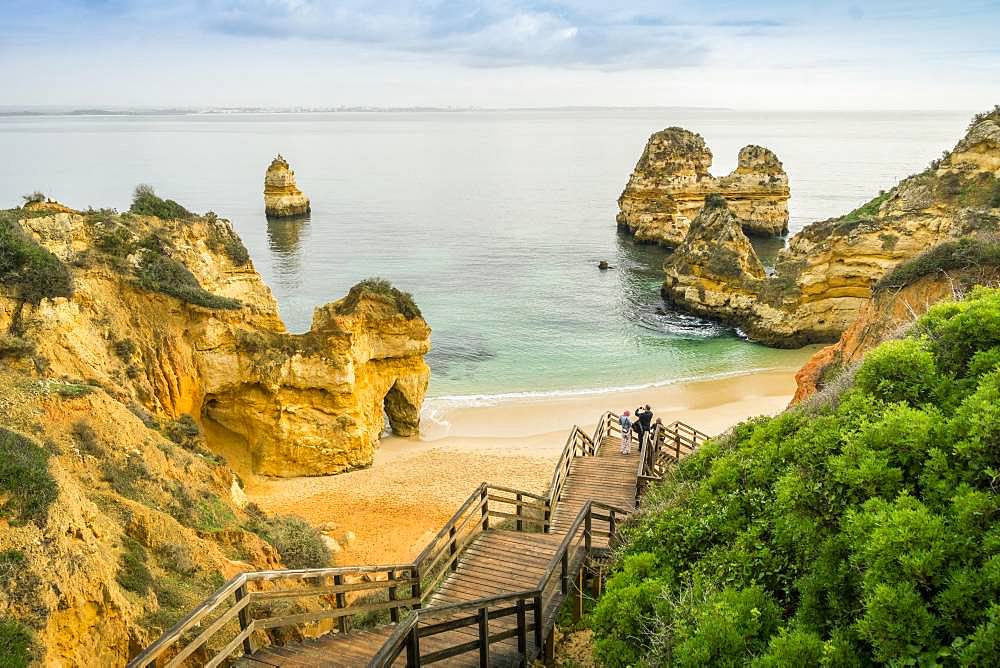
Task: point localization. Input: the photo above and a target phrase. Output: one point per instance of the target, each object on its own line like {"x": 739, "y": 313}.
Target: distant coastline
{"x": 8, "y": 111}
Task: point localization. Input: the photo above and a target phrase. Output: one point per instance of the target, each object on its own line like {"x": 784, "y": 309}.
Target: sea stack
{"x": 282, "y": 198}
{"x": 669, "y": 184}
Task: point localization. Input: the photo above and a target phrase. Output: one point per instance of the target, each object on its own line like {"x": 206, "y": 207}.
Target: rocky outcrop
{"x": 282, "y": 198}
{"x": 823, "y": 279}
{"x": 671, "y": 180}
{"x": 945, "y": 272}
{"x": 134, "y": 392}
{"x": 298, "y": 404}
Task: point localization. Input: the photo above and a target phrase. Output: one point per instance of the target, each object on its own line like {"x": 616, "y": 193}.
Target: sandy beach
{"x": 415, "y": 485}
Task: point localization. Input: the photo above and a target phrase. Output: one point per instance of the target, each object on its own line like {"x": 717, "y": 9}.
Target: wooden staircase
{"x": 485, "y": 591}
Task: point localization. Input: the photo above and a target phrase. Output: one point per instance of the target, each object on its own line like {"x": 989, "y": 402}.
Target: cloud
{"x": 483, "y": 34}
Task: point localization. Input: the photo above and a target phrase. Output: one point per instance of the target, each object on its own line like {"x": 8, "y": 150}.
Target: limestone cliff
{"x": 944, "y": 272}
{"x": 824, "y": 277}
{"x": 671, "y": 180}
{"x": 282, "y": 198}
{"x": 142, "y": 360}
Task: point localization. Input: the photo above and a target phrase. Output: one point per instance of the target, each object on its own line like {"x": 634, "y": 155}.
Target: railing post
{"x": 522, "y": 633}
{"x": 538, "y": 624}
{"x": 578, "y": 597}
{"x": 415, "y": 589}
{"x": 548, "y": 516}
{"x": 241, "y": 593}
{"x": 341, "y": 603}
{"x": 587, "y": 528}
{"x": 393, "y": 611}
{"x": 564, "y": 579}
{"x": 452, "y": 547}
{"x": 484, "y": 638}
{"x": 611, "y": 528}
{"x": 677, "y": 446}
{"x": 483, "y": 496}
{"x": 413, "y": 648}
{"x": 519, "y": 524}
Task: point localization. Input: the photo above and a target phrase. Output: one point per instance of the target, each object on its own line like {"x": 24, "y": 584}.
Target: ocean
{"x": 494, "y": 220}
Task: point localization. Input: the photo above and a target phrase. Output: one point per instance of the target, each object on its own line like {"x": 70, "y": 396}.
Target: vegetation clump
{"x": 948, "y": 256}
{"x": 32, "y": 271}
{"x": 159, "y": 272}
{"x": 133, "y": 574}
{"x": 869, "y": 209}
{"x": 15, "y": 644}
{"x": 300, "y": 545}
{"x": 382, "y": 288}
{"x": 27, "y": 489}
{"x": 146, "y": 202}
{"x": 859, "y": 531}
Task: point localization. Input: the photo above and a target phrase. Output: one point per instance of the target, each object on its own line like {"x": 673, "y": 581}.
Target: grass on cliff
{"x": 381, "y": 288}
{"x": 27, "y": 489}
{"x": 868, "y": 210}
{"x": 30, "y": 269}
{"x": 159, "y": 272}
{"x": 146, "y": 202}
{"x": 300, "y": 545}
{"x": 949, "y": 256}
{"x": 862, "y": 529}
{"x": 15, "y": 644}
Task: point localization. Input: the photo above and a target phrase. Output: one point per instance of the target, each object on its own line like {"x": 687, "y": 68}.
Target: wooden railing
{"x": 245, "y": 604}
{"x": 662, "y": 448}
{"x": 578, "y": 444}
{"x": 564, "y": 575}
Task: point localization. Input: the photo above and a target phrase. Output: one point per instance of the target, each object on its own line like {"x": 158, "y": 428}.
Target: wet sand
{"x": 415, "y": 485}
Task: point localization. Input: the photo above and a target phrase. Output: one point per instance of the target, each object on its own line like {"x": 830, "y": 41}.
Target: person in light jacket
{"x": 626, "y": 424}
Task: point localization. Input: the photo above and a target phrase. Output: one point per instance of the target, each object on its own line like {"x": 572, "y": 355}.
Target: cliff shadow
{"x": 403, "y": 412}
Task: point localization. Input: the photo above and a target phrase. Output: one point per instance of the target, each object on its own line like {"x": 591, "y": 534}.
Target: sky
{"x": 806, "y": 54}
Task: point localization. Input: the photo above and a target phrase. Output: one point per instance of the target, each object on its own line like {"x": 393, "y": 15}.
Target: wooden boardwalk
{"x": 484, "y": 592}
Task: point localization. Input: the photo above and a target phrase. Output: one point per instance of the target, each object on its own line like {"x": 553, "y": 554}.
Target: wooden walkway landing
{"x": 484, "y": 592}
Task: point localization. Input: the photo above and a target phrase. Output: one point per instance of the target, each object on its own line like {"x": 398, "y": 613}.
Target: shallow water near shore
{"x": 494, "y": 220}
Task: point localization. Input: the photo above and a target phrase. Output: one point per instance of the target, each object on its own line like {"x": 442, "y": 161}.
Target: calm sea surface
{"x": 495, "y": 221}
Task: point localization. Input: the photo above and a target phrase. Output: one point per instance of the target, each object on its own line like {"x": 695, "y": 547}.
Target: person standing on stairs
{"x": 626, "y": 424}
{"x": 645, "y": 418}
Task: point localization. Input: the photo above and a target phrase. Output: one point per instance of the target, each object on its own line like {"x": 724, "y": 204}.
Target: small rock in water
{"x": 331, "y": 544}
{"x": 603, "y": 265}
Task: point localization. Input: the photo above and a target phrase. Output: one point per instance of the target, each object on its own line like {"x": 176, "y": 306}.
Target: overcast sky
{"x": 942, "y": 54}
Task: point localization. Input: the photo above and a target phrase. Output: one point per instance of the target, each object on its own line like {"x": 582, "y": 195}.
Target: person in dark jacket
{"x": 645, "y": 420}
{"x": 637, "y": 427}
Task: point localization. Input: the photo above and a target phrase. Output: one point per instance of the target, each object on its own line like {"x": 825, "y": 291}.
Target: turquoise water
{"x": 495, "y": 221}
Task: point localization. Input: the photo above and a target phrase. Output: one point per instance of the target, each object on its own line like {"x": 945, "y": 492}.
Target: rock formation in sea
{"x": 282, "y": 198}
{"x": 823, "y": 279}
{"x": 669, "y": 184}
{"x": 143, "y": 365}
{"x": 945, "y": 272}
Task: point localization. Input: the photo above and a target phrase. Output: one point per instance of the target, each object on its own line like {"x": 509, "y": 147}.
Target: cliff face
{"x": 825, "y": 275}
{"x": 117, "y": 512}
{"x": 945, "y": 272}
{"x": 282, "y": 198}
{"x": 671, "y": 180}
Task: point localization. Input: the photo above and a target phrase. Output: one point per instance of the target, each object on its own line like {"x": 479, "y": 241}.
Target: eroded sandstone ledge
{"x": 669, "y": 184}
{"x": 824, "y": 277}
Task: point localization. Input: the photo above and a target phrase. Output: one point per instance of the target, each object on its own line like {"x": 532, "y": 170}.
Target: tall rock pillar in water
{"x": 282, "y": 198}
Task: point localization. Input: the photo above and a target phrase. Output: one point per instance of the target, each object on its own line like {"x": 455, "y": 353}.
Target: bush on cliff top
{"x": 948, "y": 256}
{"x": 863, "y": 531}
{"x": 146, "y": 202}
{"x": 380, "y": 287}
{"x": 27, "y": 489}
{"x": 33, "y": 271}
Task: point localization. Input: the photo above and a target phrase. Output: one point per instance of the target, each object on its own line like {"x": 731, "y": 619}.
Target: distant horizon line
{"x": 131, "y": 110}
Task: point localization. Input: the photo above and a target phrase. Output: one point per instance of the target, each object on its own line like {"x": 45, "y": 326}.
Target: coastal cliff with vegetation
{"x": 825, "y": 276}
{"x": 670, "y": 182}
{"x": 144, "y": 366}
{"x": 858, "y": 528}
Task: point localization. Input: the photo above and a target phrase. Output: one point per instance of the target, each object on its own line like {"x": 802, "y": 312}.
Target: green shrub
{"x": 133, "y": 574}
{"x": 184, "y": 431}
{"x": 15, "y": 644}
{"x": 34, "y": 198}
{"x": 27, "y": 489}
{"x": 145, "y": 202}
{"x": 381, "y": 288}
{"x": 869, "y": 209}
{"x": 128, "y": 477}
{"x": 299, "y": 545}
{"x": 124, "y": 349}
{"x": 212, "y": 514}
{"x": 34, "y": 272}
{"x": 86, "y": 439}
{"x": 159, "y": 273}
{"x": 858, "y": 532}
{"x": 116, "y": 240}
{"x": 947, "y": 256}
